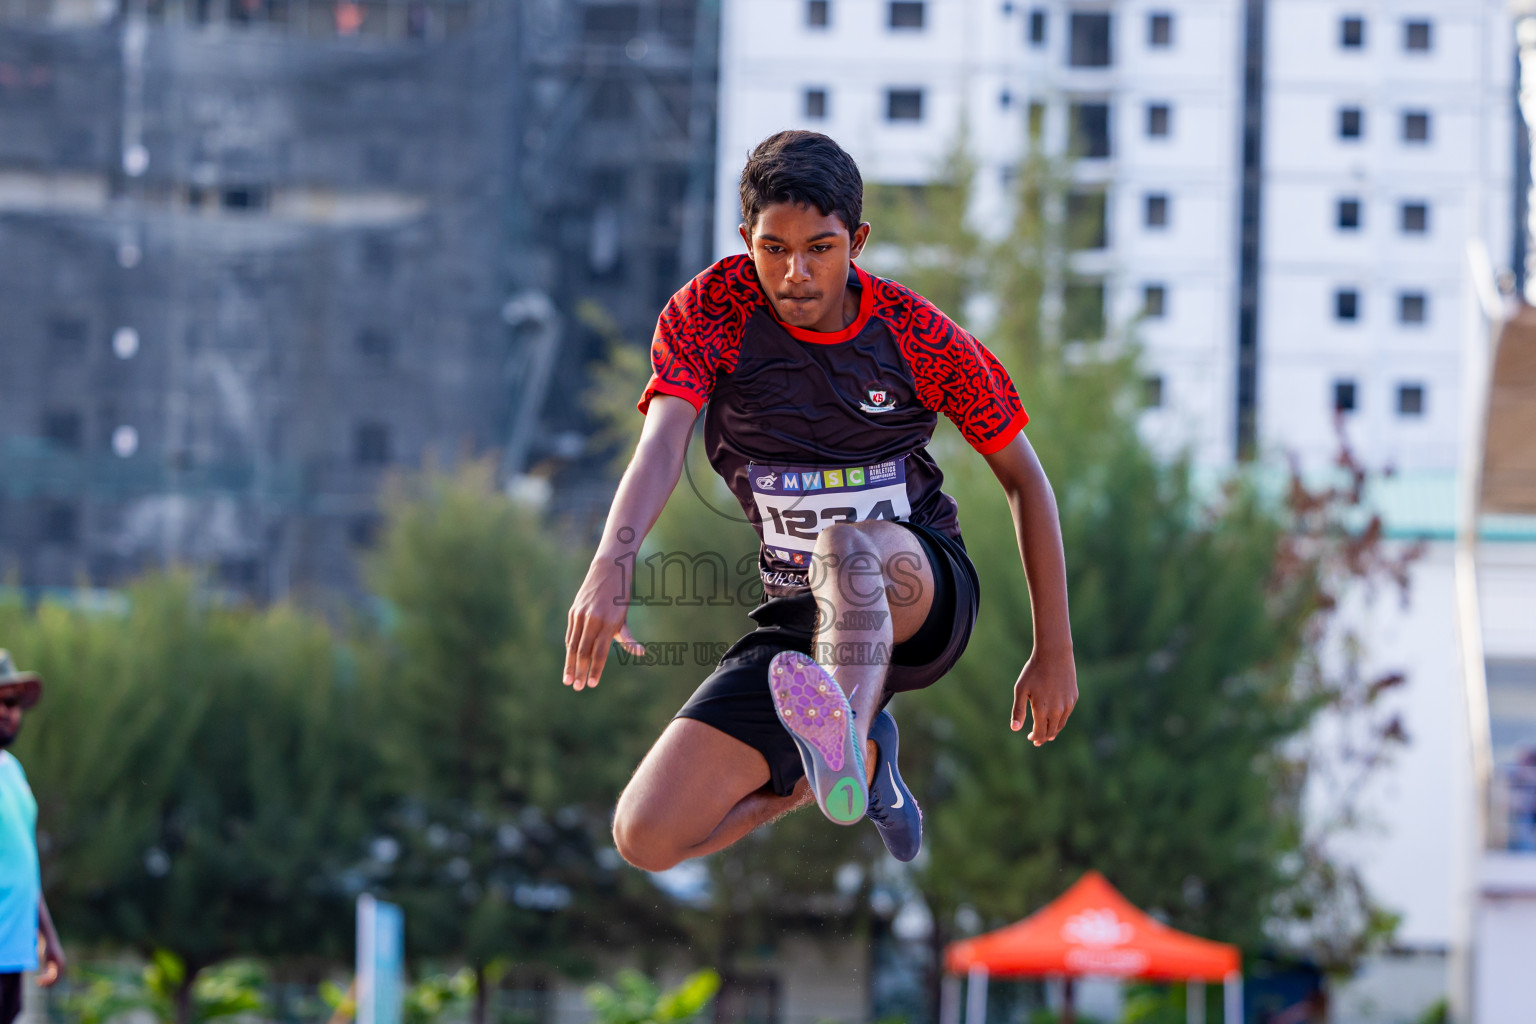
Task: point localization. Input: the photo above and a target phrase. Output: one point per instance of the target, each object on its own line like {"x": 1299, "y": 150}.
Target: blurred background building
{"x": 255, "y": 252}
{"x": 1238, "y": 166}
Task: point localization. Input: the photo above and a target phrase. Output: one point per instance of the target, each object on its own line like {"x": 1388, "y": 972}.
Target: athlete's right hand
{"x": 597, "y": 617}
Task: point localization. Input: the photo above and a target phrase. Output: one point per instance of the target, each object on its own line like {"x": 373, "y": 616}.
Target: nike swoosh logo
{"x": 900, "y": 799}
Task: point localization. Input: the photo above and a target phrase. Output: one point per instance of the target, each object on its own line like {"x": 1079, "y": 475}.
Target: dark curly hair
{"x": 805, "y": 168}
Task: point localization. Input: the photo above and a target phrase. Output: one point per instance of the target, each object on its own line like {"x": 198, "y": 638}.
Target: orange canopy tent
{"x": 1093, "y": 930}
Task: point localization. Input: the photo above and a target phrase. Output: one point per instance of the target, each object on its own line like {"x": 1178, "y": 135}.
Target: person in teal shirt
{"x": 24, "y": 917}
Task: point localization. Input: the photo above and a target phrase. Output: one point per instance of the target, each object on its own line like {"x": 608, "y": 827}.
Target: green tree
{"x": 229, "y": 990}
{"x": 203, "y": 774}
{"x": 498, "y": 843}
{"x": 635, "y": 999}
{"x": 1196, "y": 616}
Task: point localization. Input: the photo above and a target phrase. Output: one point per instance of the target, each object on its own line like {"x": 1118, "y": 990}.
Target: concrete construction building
{"x": 254, "y": 253}
{"x": 1283, "y": 196}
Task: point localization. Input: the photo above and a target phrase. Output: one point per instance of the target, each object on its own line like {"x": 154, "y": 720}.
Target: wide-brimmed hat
{"x": 29, "y": 683}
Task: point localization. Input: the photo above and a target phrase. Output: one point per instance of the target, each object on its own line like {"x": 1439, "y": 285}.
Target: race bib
{"x": 796, "y": 504}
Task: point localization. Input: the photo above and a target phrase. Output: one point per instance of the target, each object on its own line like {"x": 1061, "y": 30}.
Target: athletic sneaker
{"x": 892, "y": 807}
{"x": 817, "y": 714}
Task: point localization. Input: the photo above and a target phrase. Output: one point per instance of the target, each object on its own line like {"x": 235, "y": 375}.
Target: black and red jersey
{"x": 809, "y": 428}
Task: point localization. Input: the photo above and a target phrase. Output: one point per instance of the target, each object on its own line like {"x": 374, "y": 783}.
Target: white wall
{"x": 1416, "y": 810}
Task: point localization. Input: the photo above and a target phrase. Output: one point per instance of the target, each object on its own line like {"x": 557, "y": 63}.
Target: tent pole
{"x": 1194, "y": 1001}
{"x": 976, "y": 995}
{"x": 949, "y": 1000}
{"x": 1068, "y": 1011}
{"x": 1232, "y": 991}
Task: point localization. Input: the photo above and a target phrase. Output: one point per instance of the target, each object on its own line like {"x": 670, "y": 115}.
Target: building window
{"x": 906, "y": 14}
{"x": 1412, "y": 307}
{"x": 1037, "y": 26}
{"x": 1090, "y": 130}
{"x": 1160, "y": 30}
{"x": 815, "y": 104}
{"x": 1416, "y": 126}
{"x": 1343, "y": 396}
{"x": 1418, "y": 36}
{"x": 1154, "y": 301}
{"x": 61, "y": 523}
{"x": 1089, "y": 46}
{"x": 600, "y": 23}
{"x": 1410, "y": 400}
{"x": 62, "y": 429}
{"x": 375, "y": 346}
{"x": 1157, "y": 210}
{"x": 1352, "y": 32}
{"x": 68, "y": 334}
{"x": 818, "y": 13}
{"x": 1346, "y": 304}
{"x": 243, "y": 198}
{"x": 1152, "y": 391}
{"x": 363, "y": 531}
{"x": 1159, "y": 116}
{"x": 378, "y": 256}
{"x": 370, "y": 445}
{"x": 612, "y": 100}
{"x": 1349, "y": 215}
{"x": 1415, "y": 218}
{"x": 904, "y": 104}
{"x": 1082, "y": 315}
{"x": 1087, "y": 220}
{"x": 1351, "y": 123}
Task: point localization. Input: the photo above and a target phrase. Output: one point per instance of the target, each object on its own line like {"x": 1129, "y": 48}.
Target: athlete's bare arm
{"x": 598, "y": 613}
{"x": 1048, "y": 684}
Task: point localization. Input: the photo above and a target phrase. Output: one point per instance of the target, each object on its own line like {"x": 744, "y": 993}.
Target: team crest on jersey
{"x": 878, "y": 399}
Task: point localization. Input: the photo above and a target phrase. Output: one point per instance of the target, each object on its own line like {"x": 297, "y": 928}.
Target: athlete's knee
{"x": 842, "y": 540}
{"x": 642, "y": 843}
{"x": 848, "y": 566}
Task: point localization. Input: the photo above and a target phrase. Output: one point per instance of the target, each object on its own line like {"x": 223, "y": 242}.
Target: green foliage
{"x": 201, "y": 772}
{"x": 505, "y": 778}
{"x": 1155, "y": 1004}
{"x": 1195, "y": 617}
{"x": 1438, "y": 1013}
{"x": 437, "y": 996}
{"x": 232, "y": 989}
{"x": 635, "y": 999}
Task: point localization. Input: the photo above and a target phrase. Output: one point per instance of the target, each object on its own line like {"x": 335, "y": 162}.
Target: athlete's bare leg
{"x": 697, "y": 789}
{"x": 873, "y": 588}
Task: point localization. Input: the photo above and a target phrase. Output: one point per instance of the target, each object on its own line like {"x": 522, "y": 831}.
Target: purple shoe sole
{"x": 812, "y": 707}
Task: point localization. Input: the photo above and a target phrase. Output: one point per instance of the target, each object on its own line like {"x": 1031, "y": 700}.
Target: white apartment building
{"x": 1386, "y": 134}
{"x": 1289, "y": 189}
{"x": 1143, "y": 92}
{"x": 1389, "y": 144}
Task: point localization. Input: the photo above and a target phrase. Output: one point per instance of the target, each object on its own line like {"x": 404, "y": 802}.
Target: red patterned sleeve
{"x": 954, "y": 373}
{"x": 699, "y": 333}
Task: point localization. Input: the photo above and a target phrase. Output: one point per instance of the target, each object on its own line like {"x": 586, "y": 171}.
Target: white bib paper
{"x": 796, "y": 503}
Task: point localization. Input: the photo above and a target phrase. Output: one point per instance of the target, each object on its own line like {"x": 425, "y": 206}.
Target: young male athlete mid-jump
{"x": 822, "y": 385}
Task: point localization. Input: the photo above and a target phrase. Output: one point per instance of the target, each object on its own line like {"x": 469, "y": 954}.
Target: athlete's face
{"x": 802, "y": 258}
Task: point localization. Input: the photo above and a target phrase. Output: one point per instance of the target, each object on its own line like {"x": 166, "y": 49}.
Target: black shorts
{"x": 10, "y": 997}
{"x": 735, "y": 697}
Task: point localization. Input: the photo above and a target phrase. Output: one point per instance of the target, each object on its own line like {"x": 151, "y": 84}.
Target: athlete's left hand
{"x": 1048, "y": 686}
